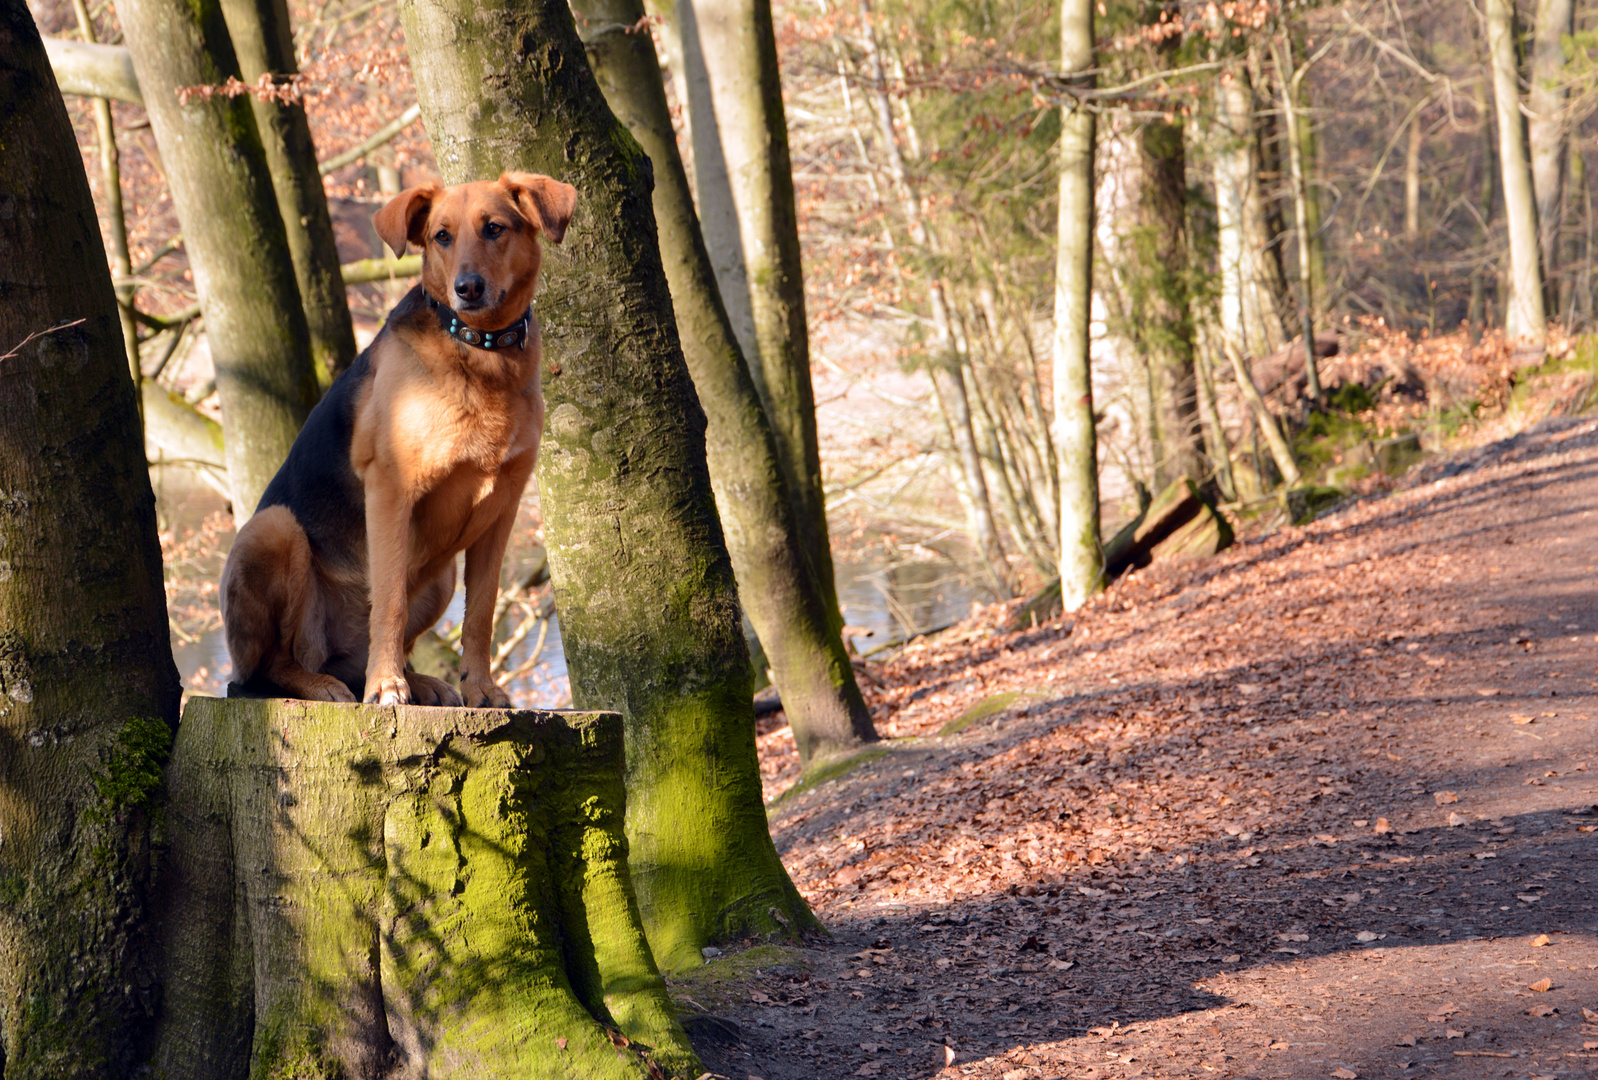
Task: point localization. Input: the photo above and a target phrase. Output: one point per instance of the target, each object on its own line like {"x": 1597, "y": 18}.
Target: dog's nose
{"x": 469, "y": 287}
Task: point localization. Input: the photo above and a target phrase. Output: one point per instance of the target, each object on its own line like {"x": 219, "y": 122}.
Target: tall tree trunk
{"x": 648, "y": 605}
{"x": 1290, "y": 80}
{"x": 1075, "y": 441}
{"x": 751, "y": 225}
{"x": 1525, "y": 322}
{"x": 1546, "y": 127}
{"x": 264, "y": 40}
{"x": 116, "y": 218}
{"x": 775, "y": 581}
{"x": 222, "y": 189}
{"x": 1412, "y": 182}
{"x": 1249, "y": 312}
{"x": 88, "y": 691}
{"x": 1167, "y": 324}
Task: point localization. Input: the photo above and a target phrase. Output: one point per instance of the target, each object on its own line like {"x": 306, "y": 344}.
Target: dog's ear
{"x": 548, "y": 203}
{"x": 405, "y": 216}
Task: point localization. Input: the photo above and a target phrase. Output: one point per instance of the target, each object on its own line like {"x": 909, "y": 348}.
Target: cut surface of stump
{"x": 361, "y": 892}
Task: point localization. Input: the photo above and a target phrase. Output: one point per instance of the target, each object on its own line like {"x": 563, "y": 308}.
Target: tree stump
{"x": 374, "y": 893}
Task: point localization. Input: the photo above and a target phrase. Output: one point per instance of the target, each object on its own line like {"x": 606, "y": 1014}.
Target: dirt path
{"x": 1321, "y": 807}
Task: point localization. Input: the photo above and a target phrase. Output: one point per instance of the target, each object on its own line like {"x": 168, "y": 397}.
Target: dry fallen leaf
{"x": 948, "y": 1056}
{"x": 1445, "y": 797}
{"x": 1541, "y": 1010}
{"x": 1345, "y": 1074}
{"x": 1541, "y": 940}
{"x": 1455, "y": 820}
{"x": 1542, "y": 986}
{"x": 1592, "y": 1017}
{"x": 561, "y": 1043}
{"x": 1381, "y": 827}
{"x": 1524, "y": 719}
{"x": 1589, "y": 1045}
{"x": 1407, "y": 1040}
{"x": 1453, "y": 1033}
{"x": 1367, "y": 936}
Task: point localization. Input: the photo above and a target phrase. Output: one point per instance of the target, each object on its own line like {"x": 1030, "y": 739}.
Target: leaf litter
{"x": 1138, "y": 867}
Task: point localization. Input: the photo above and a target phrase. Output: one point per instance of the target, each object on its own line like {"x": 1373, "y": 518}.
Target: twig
{"x": 38, "y": 334}
{"x": 378, "y": 138}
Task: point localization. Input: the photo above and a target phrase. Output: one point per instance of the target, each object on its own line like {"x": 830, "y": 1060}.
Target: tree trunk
{"x": 1249, "y": 312}
{"x": 1075, "y": 441}
{"x": 648, "y": 606}
{"x": 1281, "y": 452}
{"x": 1412, "y": 182}
{"x": 1167, "y": 324}
{"x": 222, "y": 190}
{"x": 775, "y": 582}
{"x": 751, "y": 225}
{"x": 1546, "y": 126}
{"x": 88, "y": 691}
{"x": 264, "y": 40}
{"x": 1290, "y": 81}
{"x": 1525, "y": 323}
{"x": 366, "y": 893}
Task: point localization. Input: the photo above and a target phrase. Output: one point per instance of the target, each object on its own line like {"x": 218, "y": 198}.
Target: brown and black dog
{"x": 418, "y": 452}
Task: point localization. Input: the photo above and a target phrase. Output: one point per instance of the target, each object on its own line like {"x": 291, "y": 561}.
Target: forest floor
{"x": 1321, "y": 806}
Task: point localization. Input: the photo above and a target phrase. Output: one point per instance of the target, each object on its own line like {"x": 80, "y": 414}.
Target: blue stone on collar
{"x": 510, "y": 337}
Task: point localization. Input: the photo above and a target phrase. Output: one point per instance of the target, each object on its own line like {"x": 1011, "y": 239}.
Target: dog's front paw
{"x": 388, "y": 690}
{"x": 483, "y": 693}
{"x": 328, "y": 688}
{"x": 426, "y": 690}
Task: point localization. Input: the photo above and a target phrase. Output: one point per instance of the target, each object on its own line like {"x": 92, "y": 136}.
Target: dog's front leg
{"x": 483, "y": 560}
{"x": 388, "y": 528}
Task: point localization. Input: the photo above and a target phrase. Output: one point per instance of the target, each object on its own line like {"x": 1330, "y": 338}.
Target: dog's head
{"x": 480, "y": 252}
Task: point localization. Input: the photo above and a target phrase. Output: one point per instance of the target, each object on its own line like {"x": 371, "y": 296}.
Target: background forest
{"x": 924, "y": 144}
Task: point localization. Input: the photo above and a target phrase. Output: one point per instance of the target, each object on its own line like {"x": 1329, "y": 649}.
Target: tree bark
{"x": 222, "y": 190}
{"x": 1525, "y": 323}
{"x": 1167, "y": 322}
{"x": 1075, "y": 441}
{"x": 750, "y": 220}
{"x": 790, "y": 615}
{"x": 1249, "y": 311}
{"x": 88, "y": 691}
{"x": 92, "y": 70}
{"x": 1290, "y": 80}
{"x": 1546, "y": 126}
{"x": 367, "y": 893}
{"x": 264, "y": 40}
{"x": 648, "y": 605}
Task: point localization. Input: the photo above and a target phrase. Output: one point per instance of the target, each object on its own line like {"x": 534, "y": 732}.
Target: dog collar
{"x": 510, "y": 337}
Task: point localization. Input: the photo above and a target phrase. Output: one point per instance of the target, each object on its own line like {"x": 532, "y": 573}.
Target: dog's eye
{"x": 441, "y": 238}
{"x": 493, "y": 229}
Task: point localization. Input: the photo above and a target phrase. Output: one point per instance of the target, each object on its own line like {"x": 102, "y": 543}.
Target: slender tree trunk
{"x": 751, "y": 225}
{"x": 1476, "y": 311}
{"x": 1075, "y": 441}
{"x": 217, "y": 172}
{"x": 1412, "y": 182}
{"x": 264, "y": 40}
{"x": 88, "y": 692}
{"x": 1250, "y": 315}
{"x": 116, "y": 218}
{"x": 1281, "y": 452}
{"x": 1306, "y": 279}
{"x": 1220, "y": 451}
{"x": 648, "y": 605}
{"x": 1546, "y": 128}
{"x": 775, "y": 582}
{"x": 1525, "y": 322}
{"x": 1167, "y": 324}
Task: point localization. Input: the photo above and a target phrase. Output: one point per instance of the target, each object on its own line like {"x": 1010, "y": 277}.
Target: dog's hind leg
{"x": 268, "y": 590}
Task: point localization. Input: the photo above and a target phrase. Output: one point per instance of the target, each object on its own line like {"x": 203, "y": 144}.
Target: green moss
{"x": 726, "y": 980}
{"x": 1305, "y": 503}
{"x": 985, "y": 709}
{"x": 132, "y": 777}
{"x": 13, "y": 887}
{"x": 823, "y": 770}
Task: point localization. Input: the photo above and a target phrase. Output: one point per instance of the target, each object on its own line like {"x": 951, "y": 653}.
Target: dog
{"x": 418, "y": 452}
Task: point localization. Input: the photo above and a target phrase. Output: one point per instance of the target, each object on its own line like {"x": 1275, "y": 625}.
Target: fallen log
{"x": 371, "y": 893}
{"x": 1180, "y": 523}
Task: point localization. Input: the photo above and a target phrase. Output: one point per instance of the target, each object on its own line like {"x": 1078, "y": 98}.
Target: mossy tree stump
{"x": 363, "y": 892}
